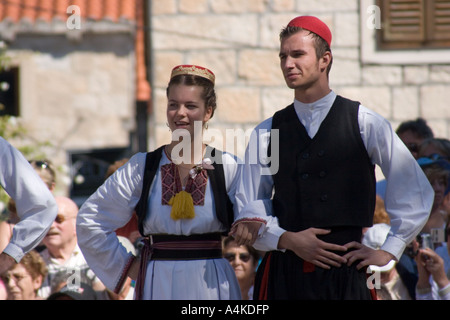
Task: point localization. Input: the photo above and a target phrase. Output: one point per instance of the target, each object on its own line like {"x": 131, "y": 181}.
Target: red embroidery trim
{"x": 171, "y": 184}
{"x": 250, "y": 220}
{"x": 124, "y": 274}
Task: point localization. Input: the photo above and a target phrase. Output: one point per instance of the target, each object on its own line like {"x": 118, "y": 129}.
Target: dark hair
{"x": 252, "y": 251}
{"x": 320, "y": 44}
{"x": 208, "y": 95}
{"x": 419, "y": 127}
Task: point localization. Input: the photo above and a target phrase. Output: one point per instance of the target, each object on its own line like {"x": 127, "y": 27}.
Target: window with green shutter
{"x": 414, "y": 24}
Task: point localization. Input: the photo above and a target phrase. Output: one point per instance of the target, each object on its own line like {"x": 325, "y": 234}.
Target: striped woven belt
{"x": 175, "y": 247}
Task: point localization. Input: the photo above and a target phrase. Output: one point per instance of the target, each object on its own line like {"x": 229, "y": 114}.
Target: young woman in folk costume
{"x": 183, "y": 194}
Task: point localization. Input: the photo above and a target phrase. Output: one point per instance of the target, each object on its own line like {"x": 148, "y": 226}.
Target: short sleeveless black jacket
{"x": 327, "y": 181}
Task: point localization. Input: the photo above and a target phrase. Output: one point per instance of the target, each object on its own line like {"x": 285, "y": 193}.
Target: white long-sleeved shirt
{"x": 409, "y": 195}
{"x": 36, "y": 206}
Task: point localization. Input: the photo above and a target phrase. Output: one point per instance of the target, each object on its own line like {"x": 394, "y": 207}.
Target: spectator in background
{"x": 437, "y": 172}
{"x": 438, "y": 149}
{"x": 413, "y": 133}
{"x": 24, "y": 279}
{"x": 433, "y": 283}
{"x": 435, "y": 146}
{"x": 244, "y": 260}
{"x": 62, "y": 254}
{"x": 45, "y": 170}
{"x": 434, "y": 270}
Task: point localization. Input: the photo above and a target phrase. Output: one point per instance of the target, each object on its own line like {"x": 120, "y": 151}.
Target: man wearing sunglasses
{"x": 36, "y": 206}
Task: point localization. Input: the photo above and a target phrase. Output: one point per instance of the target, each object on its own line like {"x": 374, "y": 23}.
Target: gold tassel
{"x": 182, "y": 206}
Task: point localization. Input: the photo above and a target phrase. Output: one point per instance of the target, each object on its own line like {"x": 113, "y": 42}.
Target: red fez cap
{"x": 312, "y": 24}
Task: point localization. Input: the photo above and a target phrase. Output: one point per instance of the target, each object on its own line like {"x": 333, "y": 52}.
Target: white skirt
{"x": 209, "y": 279}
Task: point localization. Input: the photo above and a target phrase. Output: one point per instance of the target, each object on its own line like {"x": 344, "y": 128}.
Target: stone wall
{"x": 76, "y": 95}
{"x": 238, "y": 40}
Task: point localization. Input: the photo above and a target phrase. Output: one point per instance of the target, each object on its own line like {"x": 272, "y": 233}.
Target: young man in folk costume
{"x": 324, "y": 189}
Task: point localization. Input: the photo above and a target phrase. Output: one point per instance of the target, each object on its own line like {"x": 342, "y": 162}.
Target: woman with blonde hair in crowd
{"x": 438, "y": 149}
{"x": 437, "y": 172}
{"x": 24, "y": 279}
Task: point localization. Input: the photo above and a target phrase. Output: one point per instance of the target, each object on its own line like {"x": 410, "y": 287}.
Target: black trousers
{"x": 285, "y": 276}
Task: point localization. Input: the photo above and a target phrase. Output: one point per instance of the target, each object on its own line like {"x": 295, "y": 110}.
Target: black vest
{"x": 223, "y": 205}
{"x": 327, "y": 181}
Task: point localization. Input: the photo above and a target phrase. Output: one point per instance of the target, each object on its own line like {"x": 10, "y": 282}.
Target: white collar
{"x": 323, "y": 103}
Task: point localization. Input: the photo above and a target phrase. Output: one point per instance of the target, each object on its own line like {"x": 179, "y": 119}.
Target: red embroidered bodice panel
{"x": 171, "y": 184}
